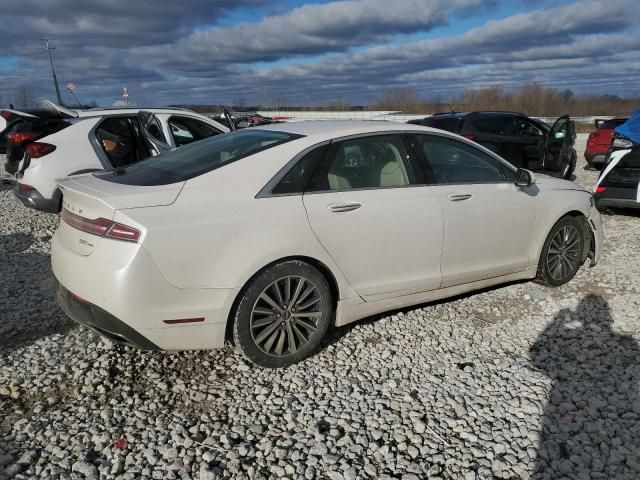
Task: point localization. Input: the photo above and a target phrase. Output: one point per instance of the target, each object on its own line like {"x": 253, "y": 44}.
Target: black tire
{"x": 260, "y": 327}
{"x": 559, "y": 262}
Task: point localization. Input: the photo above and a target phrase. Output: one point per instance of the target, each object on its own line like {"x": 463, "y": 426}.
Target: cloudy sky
{"x": 309, "y": 52}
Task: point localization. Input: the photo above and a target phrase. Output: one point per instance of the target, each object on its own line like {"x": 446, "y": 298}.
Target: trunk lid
{"x": 92, "y": 198}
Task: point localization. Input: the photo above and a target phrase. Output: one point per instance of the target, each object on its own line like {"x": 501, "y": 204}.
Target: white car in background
{"x": 46, "y": 145}
{"x": 274, "y": 233}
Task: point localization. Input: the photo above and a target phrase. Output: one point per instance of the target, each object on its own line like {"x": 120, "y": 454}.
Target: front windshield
{"x": 197, "y": 158}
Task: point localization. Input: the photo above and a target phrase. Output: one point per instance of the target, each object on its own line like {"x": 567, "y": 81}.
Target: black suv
{"x": 523, "y": 141}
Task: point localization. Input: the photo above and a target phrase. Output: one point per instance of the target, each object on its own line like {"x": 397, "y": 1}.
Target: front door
{"x": 382, "y": 229}
{"x": 488, "y": 221}
{"x": 559, "y": 143}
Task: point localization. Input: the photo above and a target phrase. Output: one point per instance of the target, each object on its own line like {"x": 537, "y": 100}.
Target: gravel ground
{"x": 515, "y": 382}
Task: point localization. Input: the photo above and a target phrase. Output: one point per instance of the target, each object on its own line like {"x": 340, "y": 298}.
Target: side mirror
{"x": 559, "y": 135}
{"x": 525, "y": 178}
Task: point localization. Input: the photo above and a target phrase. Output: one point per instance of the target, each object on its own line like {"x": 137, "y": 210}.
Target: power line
{"x": 53, "y": 72}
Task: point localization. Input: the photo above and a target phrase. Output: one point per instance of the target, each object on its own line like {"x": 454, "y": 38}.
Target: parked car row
{"x": 523, "y": 141}
{"x": 52, "y": 143}
{"x": 179, "y": 237}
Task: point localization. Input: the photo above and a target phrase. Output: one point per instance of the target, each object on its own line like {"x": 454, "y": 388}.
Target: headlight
{"x": 622, "y": 143}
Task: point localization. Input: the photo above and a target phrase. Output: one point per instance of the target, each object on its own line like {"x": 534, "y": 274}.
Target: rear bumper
{"x": 617, "y": 198}
{"x": 595, "y": 159}
{"x": 118, "y": 291}
{"x": 34, "y": 199}
{"x": 101, "y": 321}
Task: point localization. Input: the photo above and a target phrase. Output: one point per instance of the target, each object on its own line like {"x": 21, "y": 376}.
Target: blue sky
{"x": 312, "y": 52}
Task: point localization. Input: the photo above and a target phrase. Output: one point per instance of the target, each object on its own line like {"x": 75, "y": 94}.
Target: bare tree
{"x": 24, "y": 98}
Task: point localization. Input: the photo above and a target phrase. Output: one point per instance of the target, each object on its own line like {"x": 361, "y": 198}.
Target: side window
{"x": 368, "y": 162}
{"x": 484, "y": 124}
{"x": 452, "y": 161}
{"x": 504, "y": 125}
{"x": 186, "y": 130}
{"x": 298, "y": 177}
{"x": 118, "y": 140}
{"x": 152, "y": 126}
{"x": 526, "y": 128}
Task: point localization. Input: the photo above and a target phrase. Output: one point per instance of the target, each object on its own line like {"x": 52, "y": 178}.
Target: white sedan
{"x": 267, "y": 236}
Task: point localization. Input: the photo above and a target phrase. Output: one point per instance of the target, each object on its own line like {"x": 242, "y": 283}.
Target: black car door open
{"x": 532, "y": 142}
{"x": 558, "y": 145}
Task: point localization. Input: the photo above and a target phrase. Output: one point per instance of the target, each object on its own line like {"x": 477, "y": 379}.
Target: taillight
{"x": 26, "y": 188}
{"x": 600, "y": 189}
{"x": 19, "y": 137}
{"x": 39, "y": 149}
{"x": 101, "y": 227}
{"x": 470, "y": 136}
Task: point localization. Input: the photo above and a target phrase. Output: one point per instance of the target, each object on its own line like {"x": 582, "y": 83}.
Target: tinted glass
{"x": 483, "y": 124}
{"x": 186, "y": 130}
{"x": 527, "y": 129}
{"x": 452, "y": 161}
{"x": 367, "y": 162}
{"x": 451, "y": 124}
{"x": 197, "y": 158}
{"x": 613, "y": 123}
{"x": 152, "y": 126}
{"x": 298, "y": 177}
{"x": 504, "y": 125}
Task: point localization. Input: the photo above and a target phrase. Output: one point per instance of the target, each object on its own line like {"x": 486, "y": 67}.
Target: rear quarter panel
{"x": 218, "y": 235}
{"x": 73, "y": 153}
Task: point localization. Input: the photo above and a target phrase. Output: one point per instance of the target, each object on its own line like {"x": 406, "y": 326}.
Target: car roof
{"x": 342, "y": 128}
{"x": 96, "y": 112}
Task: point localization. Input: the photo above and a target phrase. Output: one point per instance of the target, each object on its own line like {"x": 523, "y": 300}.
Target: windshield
{"x": 197, "y": 158}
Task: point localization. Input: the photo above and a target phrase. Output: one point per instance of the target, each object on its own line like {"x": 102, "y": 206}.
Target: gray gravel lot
{"x": 515, "y": 382}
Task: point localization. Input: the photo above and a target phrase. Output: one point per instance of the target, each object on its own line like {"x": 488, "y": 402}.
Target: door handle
{"x": 344, "y": 207}
{"x": 458, "y": 197}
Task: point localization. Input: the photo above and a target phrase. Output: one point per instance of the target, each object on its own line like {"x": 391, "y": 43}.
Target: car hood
{"x": 553, "y": 183}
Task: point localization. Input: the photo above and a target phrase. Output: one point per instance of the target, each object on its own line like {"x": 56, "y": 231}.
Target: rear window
{"x": 613, "y": 123}
{"x": 450, "y": 124}
{"x": 197, "y": 158}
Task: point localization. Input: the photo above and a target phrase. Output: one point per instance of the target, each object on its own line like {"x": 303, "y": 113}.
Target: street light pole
{"x": 53, "y": 72}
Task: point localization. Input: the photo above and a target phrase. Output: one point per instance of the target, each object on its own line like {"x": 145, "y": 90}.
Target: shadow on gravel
{"x": 591, "y": 425}
{"x": 28, "y": 310}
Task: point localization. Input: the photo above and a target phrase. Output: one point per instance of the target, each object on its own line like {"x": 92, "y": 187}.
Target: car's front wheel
{"x": 283, "y": 314}
{"x": 562, "y": 252}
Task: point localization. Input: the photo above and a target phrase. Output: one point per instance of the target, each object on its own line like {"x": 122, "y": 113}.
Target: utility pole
{"x": 53, "y": 72}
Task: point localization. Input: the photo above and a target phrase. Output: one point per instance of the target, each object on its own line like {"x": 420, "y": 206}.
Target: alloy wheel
{"x": 285, "y": 316}
{"x": 563, "y": 255}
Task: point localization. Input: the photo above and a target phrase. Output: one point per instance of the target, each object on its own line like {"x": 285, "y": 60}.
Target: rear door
{"x": 185, "y": 129}
{"x": 152, "y": 133}
{"x": 532, "y": 143}
{"x": 369, "y": 210}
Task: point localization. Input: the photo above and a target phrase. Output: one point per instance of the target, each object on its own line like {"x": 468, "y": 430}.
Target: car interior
{"x": 367, "y": 163}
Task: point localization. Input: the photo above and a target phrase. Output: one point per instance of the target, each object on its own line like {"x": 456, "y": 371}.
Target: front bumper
{"x": 101, "y": 321}
{"x": 34, "y": 199}
{"x": 595, "y": 224}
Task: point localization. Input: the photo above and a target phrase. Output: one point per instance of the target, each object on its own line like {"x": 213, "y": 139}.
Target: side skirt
{"x": 354, "y": 309}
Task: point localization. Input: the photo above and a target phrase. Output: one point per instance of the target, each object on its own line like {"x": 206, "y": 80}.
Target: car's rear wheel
{"x": 562, "y": 253}
{"x": 283, "y": 314}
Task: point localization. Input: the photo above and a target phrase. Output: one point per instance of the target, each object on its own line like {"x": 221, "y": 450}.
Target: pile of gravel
{"x": 498, "y": 384}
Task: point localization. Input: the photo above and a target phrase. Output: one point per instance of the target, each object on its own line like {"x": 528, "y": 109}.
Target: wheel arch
{"x": 587, "y": 235}
{"x": 314, "y": 262}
